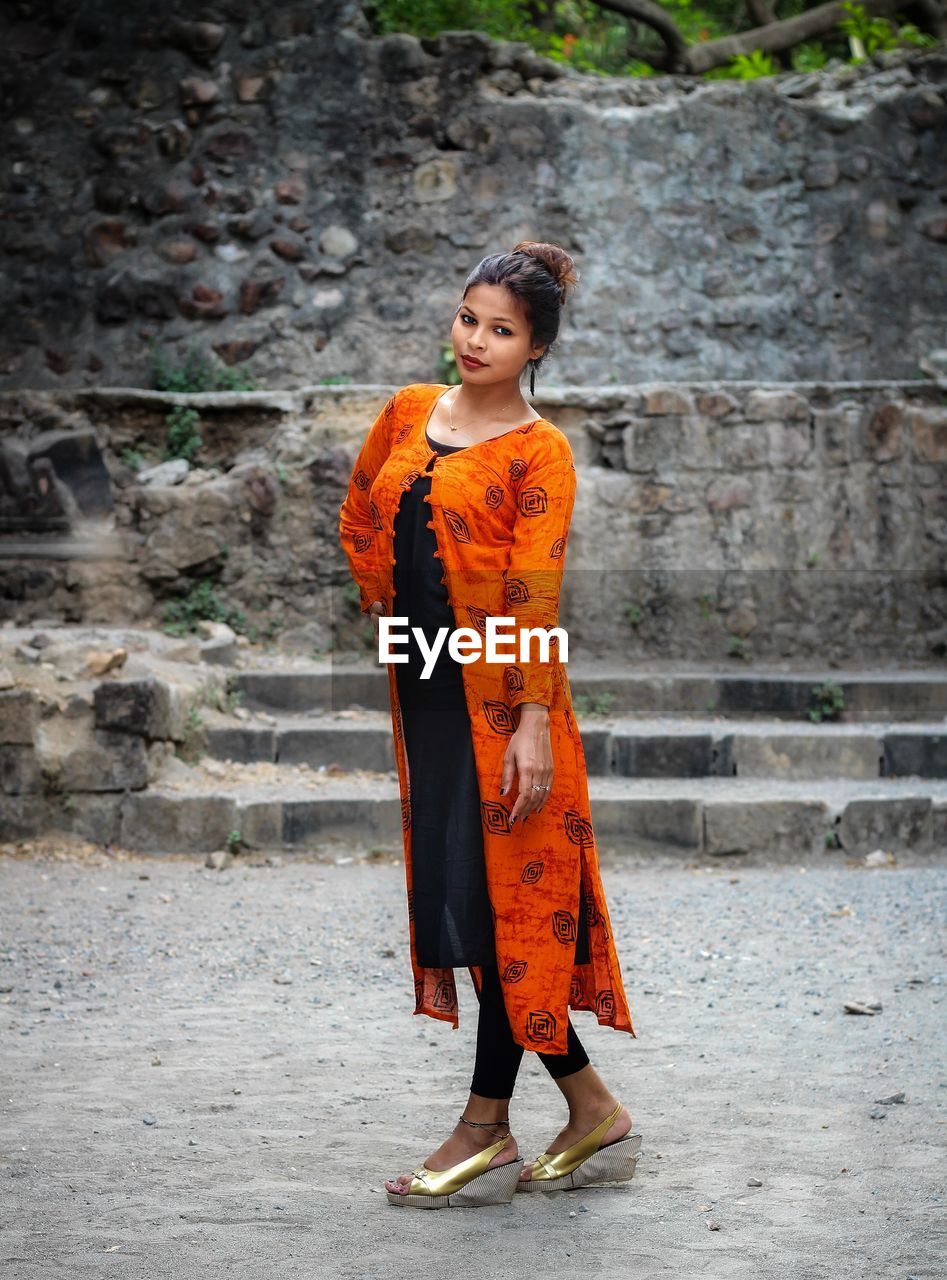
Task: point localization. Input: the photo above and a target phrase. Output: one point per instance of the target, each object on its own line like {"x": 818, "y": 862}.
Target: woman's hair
{"x": 540, "y": 275}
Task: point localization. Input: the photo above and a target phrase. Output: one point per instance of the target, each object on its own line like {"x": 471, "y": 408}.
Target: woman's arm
{"x": 536, "y": 564}
{"x": 358, "y": 533}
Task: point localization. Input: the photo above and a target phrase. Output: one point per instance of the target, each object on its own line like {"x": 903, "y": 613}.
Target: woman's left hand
{"x": 529, "y": 758}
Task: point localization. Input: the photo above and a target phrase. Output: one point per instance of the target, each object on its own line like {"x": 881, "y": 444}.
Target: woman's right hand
{"x": 375, "y": 612}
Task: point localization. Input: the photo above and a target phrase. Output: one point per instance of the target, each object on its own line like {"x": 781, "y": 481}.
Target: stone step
{"x": 626, "y": 747}
{"x": 767, "y": 693}
{"x": 765, "y": 820}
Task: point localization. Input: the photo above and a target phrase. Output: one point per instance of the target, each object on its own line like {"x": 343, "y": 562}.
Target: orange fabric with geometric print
{"x": 500, "y": 511}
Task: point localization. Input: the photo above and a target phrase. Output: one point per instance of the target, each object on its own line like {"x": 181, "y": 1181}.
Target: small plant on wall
{"x": 829, "y": 702}
{"x": 197, "y": 373}
{"x": 184, "y": 438}
{"x": 634, "y": 613}
{"x": 201, "y": 603}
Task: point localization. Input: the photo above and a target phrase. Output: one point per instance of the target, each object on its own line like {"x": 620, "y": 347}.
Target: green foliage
{"x": 234, "y": 842}
{"x": 199, "y": 372}
{"x": 133, "y": 458}
{"x": 877, "y": 34}
{"x": 225, "y": 700}
{"x": 184, "y": 439}
{"x": 447, "y": 365}
{"x": 908, "y": 33}
{"x": 263, "y": 634}
{"x": 873, "y": 33}
{"x": 201, "y": 603}
{"x": 584, "y": 704}
{"x": 193, "y": 743}
{"x": 752, "y": 66}
{"x": 809, "y": 56}
{"x": 502, "y": 19}
{"x": 598, "y": 42}
{"x": 829, "y": 702}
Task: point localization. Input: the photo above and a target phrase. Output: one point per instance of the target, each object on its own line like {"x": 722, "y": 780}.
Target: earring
{"x": 532, "y": 378}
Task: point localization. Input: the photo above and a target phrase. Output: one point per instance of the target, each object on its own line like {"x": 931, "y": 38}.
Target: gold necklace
{"x": 450, "y": 408}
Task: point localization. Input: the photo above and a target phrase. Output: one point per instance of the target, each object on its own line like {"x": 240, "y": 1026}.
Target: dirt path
{"x": 210, "y": 1074}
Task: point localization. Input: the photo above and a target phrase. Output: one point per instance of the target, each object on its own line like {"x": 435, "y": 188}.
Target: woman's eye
{"x": 499, "y": 326}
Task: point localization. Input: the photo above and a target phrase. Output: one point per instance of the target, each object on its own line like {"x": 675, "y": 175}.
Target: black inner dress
{"x": 453, "y": 923}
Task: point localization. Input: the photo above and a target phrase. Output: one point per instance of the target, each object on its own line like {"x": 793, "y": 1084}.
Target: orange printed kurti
{"x": 500, "y": 511}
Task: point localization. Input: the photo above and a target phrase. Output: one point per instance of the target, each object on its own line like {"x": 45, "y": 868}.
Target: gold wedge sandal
{"x": 468, "y": 1184}
{"x": 586, "y": 1162}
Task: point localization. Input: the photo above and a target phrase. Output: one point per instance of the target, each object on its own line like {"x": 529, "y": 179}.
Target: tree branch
{"x": 774, "y": 37}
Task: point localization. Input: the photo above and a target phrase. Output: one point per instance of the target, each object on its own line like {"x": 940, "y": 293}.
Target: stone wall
{"x": 803, "y": 522}
{"x": 85, "y": 730}
{"x": 271, "y": 182}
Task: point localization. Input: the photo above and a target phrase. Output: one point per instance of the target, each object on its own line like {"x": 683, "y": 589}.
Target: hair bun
{"x": 556, "y": 261}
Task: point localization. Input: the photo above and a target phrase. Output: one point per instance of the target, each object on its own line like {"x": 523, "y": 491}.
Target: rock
{"x": 219, "y": 859}
{"x": 188, "y": 650}
{"x": 163, "y": 823}
{"x": 145, "y": 707}
{"x": 165, "y": 473}
{"x": 20, "y": 711}
{"x": 209, "y": 630}
{"x": 101, "y": 761}
{"x": 99, "y": 662}
{"x": 219, "y": 643}
{"x": 20, "y": 772}
{"x": 337, "y": 241}
{"x": 853, "y": 1006}
{"x": 934, "y": 364}
{"x": 195, "y": 92}
{"x": 200, "y": 39}
{"x": 878, "y": 858}
{"x": 68, "y": 476}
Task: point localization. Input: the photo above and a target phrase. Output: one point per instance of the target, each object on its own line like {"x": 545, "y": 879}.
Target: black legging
{"x": 499, "y": 1056}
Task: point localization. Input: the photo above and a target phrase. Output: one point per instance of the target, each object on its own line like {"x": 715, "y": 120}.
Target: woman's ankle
{"x": 482, "y": 1112}
{"x": 593, "y": 1106}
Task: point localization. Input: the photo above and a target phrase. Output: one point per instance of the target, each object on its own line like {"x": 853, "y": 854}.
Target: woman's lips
{"x": 473, "y": 363}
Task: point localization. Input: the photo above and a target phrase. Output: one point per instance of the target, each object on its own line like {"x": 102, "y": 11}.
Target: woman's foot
{"x": 580, "y": 1124}
{"x": 463, "y": 1143}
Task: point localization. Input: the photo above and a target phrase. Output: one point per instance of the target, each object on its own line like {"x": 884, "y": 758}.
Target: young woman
{"x": 500, "y": 857}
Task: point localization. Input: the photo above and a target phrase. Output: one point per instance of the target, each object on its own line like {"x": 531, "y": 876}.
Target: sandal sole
{"x": 614, "y": 1163}
{"x": 493, "y": 1186}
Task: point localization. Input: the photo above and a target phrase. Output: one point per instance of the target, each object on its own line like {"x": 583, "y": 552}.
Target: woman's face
{"x": 491, "y": 326}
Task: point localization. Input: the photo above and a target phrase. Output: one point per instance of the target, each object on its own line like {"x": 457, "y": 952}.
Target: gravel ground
{"x": 210, "y": 1074}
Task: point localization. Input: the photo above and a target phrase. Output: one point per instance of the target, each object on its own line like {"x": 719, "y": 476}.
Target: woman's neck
{"x": 499, "y": 402}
